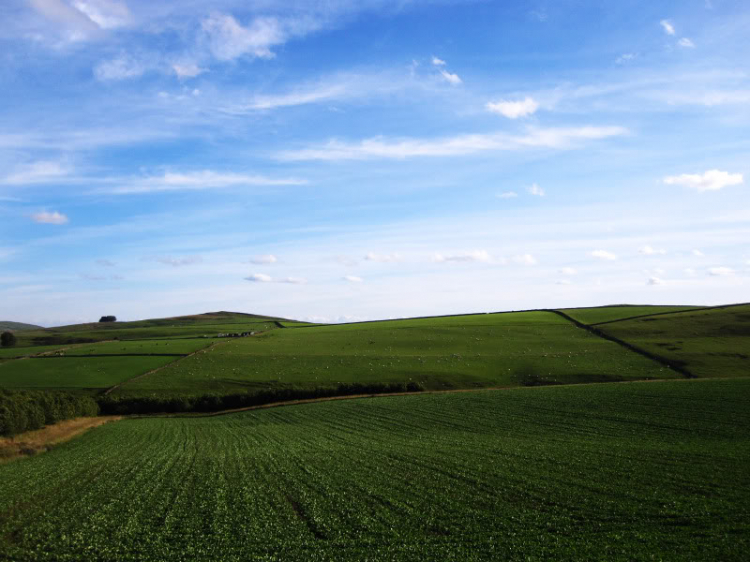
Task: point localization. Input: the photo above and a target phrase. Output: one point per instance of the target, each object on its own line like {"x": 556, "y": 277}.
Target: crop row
{"x": 616, "y": 472}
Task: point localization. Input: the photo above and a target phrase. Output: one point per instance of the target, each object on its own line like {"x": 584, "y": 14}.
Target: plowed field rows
{"x": 626, "y": 471}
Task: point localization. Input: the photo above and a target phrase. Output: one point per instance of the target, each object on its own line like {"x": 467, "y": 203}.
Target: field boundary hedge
{"x": 22, "y": 411}
{"x": 676, "y": 366}
{"x": 175, "y": 404}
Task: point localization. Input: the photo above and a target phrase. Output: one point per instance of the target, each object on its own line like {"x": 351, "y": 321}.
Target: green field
{"x": 600, "y": 314}
{"x": 714, "y": 342}
{"x": 641, "y": 471}
{"x": 210, "y": 324}
{"x": 526, "y": 348}
{"x": 76, "y": 373}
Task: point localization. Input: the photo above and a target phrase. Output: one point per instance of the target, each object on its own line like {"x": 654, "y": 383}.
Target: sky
{"x": 347, "y": 160}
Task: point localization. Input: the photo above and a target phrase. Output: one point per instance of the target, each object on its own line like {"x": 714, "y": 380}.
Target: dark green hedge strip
{"x": 25, "y": 411}
{"x": 124, "y": 405}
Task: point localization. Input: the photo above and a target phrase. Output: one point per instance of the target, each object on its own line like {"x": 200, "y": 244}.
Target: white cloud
{"x": 259, "y": 278}
{"x": 667, "y": 26}
{"x": 179, "y": 262}
{"x": 263, "y": 278}
{"x": 567, "y": 271}
{"x": 379, "y": 147}
{"x": 452, "y": 79}
{"x": 649, "y": 251}
{"x": 720, "y": 271}
{"x": 190, "y": 70}
{"x": 293, "y": 280}
{"x": 46, "y": 217}
{"x": 525, "y": 259}
{"x": 513, "y": 109}
{"x": 229, "y": 40}
{"x": 507, "y": 195}
{"x": 536, "y": 190}
{"x": 204, "y": 179}
{"x": 685, "y": 42}
{"x": 690, "y": 272}
{"x": 654, "y": 281}
{"x": 603, "y": 255}
{"x": 37, "y": 172}
{"x": 383, "y": 258}
{"x": 264, "y": 259}
{"x": 712, "y": 180}
{"x": 121, "y": 68}
{"x": 563, "y": 282}
{"x": 698, "y": 253}
{"x": 625, "y": 57}
{"x": 105, "y": 263}
{"x": 475, "y": 256}
{"x": 107, "y": 14}
{"x": 352, "y": 279}
{"x": 319, "y": 93}
{"x": 438, "y": 62}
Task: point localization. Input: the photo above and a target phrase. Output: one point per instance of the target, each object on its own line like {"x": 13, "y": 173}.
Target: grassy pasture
{"x": 612, "y": 313}
{"x": 526, "y": 348}
{"x": 209, "y": 324}
{"x": 76, "y": 373}
{"x": 645, "y": 471}
{"x": 709, "y": 343}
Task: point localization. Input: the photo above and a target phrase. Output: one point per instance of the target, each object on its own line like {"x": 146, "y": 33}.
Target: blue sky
{"x": 347, "y": 160}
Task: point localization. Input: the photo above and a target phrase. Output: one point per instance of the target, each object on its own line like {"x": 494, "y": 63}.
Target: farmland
{"x": 709, "y": 343}
{"x": 527, "y": 348}
{"x": 634, "y": 471}
{"x": 600, "y": 314}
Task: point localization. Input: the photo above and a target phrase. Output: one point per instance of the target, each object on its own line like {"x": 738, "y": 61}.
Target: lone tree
{"x": 7, "y": 339}
{"x": 108, "y": 319}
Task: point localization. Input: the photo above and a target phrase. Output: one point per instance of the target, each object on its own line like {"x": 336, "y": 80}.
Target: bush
{"x": 7, "y": 339}
{"x": 108, "y": 319}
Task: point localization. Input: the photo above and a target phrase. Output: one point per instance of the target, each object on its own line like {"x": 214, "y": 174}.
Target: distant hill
{"x": 17, "y": 326}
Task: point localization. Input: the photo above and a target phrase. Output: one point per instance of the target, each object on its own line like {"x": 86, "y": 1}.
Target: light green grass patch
{"x": 450, "y": 352}
{"x": 71, "y": 373}
{"x": 613, "y": 313}
{"x": 709, "y": 343}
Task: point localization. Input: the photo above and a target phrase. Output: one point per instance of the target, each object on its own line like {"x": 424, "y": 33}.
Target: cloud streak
{"x": 384, "y": 148}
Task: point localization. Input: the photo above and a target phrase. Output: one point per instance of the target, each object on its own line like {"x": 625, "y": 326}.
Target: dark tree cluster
{"x": 108, "y": 319}
{"x": 7, "y": 339}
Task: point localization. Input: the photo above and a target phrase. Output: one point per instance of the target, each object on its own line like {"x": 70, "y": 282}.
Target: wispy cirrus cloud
{"x": 464, "y": 257}
{"x": 42, "y": 171}
{"x": 264, "y": 259}
{"x": 383, "y": 258}
{"x": 179, "y": 262}
{"x": 380, "y": 147}
{"x": 199, "y": 180}
{"x": 352, "y": 279}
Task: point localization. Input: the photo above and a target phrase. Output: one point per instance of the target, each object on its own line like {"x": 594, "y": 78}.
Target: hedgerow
{"x": 25, "y": 411}
{"x": 162, "y": 403}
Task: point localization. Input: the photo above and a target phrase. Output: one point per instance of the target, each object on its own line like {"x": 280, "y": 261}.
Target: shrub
{"x": 7, "y": 339}
{"x": 108, "y": 319}
{"x": 25, "y": 411}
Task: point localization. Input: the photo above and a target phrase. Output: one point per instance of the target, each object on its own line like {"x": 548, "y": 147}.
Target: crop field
{"x": 596, "y": 315}
{"x": 528, "y": 348}
{"x": 638, "y": 471}
{"x": 710, "y": 343}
